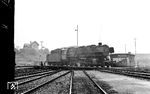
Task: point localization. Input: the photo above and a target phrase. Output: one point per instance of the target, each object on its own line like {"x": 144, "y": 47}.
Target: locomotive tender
{"x": 91, "y": 55}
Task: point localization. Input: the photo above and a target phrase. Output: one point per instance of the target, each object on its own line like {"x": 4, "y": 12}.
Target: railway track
{"x": 36, "y": 83}
{"x": 102, "y": 91}
{"x": 32, "y": 75}
{"x": 28, "y": 71}
{"x": 142, "y": 75}
{"x": 82, "y": 83}
{"x": 23, "y": 67}
{"x": 141, "y": 70}
{"x": 24, "y": 80}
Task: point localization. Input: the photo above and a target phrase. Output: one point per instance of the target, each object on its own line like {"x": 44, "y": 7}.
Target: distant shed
{"x": 123, "y": 59}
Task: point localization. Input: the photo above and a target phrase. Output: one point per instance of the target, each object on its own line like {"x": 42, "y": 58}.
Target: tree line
{"x": 30, "y": 53}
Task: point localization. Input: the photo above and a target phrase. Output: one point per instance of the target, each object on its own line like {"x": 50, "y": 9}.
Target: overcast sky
{"x": 113, "y": 22}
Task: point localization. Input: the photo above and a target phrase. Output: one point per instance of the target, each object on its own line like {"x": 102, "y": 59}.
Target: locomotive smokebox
{"x": 111, "y": 49}
{"x": 99, "y": 44}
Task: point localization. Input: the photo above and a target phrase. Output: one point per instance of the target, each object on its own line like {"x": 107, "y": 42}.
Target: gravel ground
{"x": 82, "y": 85}
{"x": 59, "y": 86}
{"x": 32, "y": 84}
{"x": 122, "y": 84}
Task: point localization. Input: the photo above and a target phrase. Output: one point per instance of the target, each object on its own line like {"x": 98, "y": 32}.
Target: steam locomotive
{"x": 91, "y": 55}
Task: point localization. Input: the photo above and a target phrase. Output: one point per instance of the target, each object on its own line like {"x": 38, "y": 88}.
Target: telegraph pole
{"x": 135, "y": 45}
{"x": 77, "y": 43}
{"x": 77, "y": 35}
{"x": 135, "y": 52}
{"x": 125, "y": 48}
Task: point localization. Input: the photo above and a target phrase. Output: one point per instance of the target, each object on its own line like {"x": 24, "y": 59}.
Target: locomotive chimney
{"x": 99, "y": 44}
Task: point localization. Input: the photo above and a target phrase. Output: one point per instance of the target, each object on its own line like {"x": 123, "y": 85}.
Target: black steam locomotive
{"x": 91, "y": 55}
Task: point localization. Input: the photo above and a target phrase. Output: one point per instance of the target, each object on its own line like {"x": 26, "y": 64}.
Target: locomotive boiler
{"x": 91, "y": 55}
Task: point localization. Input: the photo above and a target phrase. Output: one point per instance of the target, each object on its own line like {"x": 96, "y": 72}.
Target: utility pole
{"x": 77, "y": 43}
{"x": 125, "y": 48}
{"x": 77, "y": 35}
{"x": 135, "y": 52}
{"x": 135, "y": 45}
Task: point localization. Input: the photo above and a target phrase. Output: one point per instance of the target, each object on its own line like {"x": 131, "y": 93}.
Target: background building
{"x": 123, "y": 59}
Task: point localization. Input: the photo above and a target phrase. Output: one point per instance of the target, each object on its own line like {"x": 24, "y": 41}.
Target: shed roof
{"x": 121, "y": 55}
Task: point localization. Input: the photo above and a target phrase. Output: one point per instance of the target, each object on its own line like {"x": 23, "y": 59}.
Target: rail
{"x": 99, "y": 87}
{"x": 39, "y": 86}
{"x": 32, "y": 75}
{"x": 51, "y": 73}
{"x": 128, "y": 73}
{"x": 71, "y": 83}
